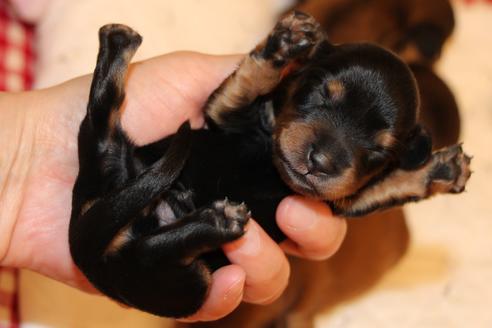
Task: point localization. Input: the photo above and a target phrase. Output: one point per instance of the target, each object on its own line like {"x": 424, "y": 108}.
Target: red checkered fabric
{"x": 16, "y": 74}
{"x": 16, "y": 52}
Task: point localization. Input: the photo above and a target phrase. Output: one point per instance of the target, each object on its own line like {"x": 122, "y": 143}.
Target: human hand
{"x": 161, "y": 94}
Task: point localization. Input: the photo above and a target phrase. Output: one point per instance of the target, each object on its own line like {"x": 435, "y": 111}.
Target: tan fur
{"x": 123, "y": 237}
{"x": 253, "y": 78}
{"x": 399, "y": 185}
{"x": 344, "y": 184}
{"x": 114, "y": 121}
{"x": 417, "y": 184}
{"x": 386, "y": 139}
{"x": 335, "y": 89}
{"x": 87, "y": 206}
{"x": 294, "y": 139}
{"x": 410, "y": 54}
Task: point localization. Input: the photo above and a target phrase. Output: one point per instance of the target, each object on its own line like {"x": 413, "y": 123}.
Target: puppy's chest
{"x": 175, "y": 204}
{"x": 239, "y": 171}
{"x": 219, "y": 168}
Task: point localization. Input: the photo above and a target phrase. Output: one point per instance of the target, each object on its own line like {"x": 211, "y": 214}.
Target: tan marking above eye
{"x": 385, "y": 139}
{"x": 336, "y": 89}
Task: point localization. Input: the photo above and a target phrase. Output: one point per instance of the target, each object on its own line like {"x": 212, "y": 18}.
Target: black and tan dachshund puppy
{"x": 337, "y": 123}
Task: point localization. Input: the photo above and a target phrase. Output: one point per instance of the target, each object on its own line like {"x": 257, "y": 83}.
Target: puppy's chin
{"x": 295, "y": 180}
{"x": 318, "y": 187}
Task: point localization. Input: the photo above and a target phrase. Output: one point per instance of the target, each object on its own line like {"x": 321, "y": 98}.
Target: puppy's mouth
{"x": 315, "y": 184}
{"x": 300, "y": 182}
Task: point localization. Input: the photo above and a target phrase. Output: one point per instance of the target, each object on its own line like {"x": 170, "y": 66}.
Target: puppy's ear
{"x": 417, "y": 149}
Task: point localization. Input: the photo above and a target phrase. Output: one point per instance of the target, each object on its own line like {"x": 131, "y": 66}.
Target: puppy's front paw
{"x": 231, "y": 217}
{"x": 450, "y": 170}
{"x": 292, "y": 37}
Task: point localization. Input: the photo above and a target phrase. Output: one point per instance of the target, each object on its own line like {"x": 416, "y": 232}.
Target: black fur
{"x": 147, "y": 222}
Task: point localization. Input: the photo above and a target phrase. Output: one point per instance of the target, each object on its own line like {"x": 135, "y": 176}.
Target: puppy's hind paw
{"x": 450, "y": 171}
{"x": 232, "y": 217}
{"x": 119, "y": 36}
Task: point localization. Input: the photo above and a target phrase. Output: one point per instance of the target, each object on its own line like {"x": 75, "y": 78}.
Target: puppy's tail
{"x": 117, "y": 45}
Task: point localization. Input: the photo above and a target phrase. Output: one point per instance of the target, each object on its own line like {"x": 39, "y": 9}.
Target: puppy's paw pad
{"x": 451, "y": 170}
{"x": 237, "y": 212}
{"x": 292, "y": 36}
{"x": 235, "y": 216}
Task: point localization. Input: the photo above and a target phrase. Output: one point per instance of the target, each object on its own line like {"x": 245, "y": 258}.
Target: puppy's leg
{"x": 294, "y": 37}
{"x": 117, "y": 45}
{"x": 97, "y": 222}
{"x": 103, "y": 147}
{"x": 108, "y": 195}
{"x": 165, "y": 275}
{"x": 203, "y": 230}
{"x": 150, "y": 268}
{"x": 447, "y": 171}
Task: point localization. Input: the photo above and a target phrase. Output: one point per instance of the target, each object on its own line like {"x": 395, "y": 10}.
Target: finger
{"x": 226, "y": 292}
{"x": 170, "y": 89}
{"x": 313, "y": 231}
{"x": 265, "y": 264}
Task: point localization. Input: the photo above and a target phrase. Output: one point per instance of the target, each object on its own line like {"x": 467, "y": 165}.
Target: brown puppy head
{"x": 343, "y": 118}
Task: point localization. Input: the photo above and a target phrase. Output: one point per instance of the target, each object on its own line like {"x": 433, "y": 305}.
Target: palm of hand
{"x": 160, "y": 99}
{"x": 161, "y": 94}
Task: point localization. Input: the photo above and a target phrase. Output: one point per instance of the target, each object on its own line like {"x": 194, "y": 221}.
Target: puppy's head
{"x": 345, "y": 117}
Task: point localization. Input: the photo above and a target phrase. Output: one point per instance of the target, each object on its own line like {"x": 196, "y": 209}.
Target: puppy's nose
{"x": 319, "y": 162}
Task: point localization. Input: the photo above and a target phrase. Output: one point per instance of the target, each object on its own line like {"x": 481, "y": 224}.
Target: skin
{"x": 39, "y": 165}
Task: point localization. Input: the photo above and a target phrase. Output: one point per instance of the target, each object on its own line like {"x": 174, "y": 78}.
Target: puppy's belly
{"x": 165, "y": 214}
{"x": 234, "y": 166}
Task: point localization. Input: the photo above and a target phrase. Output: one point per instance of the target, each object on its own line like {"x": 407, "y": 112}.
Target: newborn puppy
{"x": 336, "y": 123}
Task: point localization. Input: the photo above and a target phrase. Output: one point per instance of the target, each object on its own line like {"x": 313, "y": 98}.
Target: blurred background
{"x": 444, "y": 278}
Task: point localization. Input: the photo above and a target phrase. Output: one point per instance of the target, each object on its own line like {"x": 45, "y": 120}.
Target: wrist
{"x": 16, "y": 143}
{"x": 36, "y": 128}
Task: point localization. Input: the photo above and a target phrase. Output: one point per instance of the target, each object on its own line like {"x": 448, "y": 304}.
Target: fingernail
{"x": 298, "y": 214}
